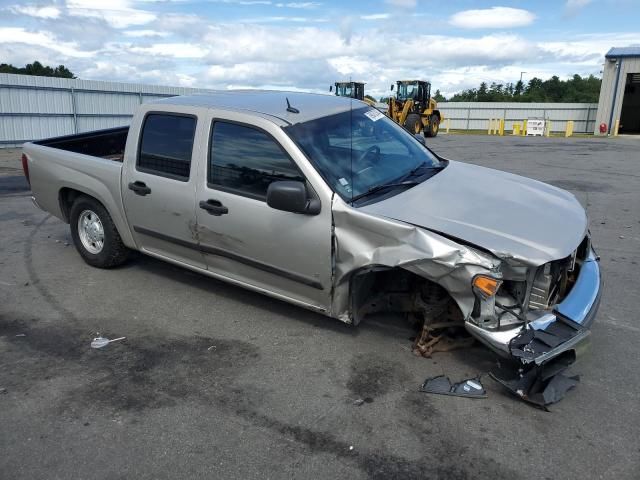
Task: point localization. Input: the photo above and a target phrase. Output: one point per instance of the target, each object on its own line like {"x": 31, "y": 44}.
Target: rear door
{"x": 285, "y": 254}
{"x": 158, "y": 186}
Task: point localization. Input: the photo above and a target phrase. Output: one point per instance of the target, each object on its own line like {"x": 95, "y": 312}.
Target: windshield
{"x": 407, "y": 90}
{"x": 358, "y": 150}
{"x": 343, "y": 90}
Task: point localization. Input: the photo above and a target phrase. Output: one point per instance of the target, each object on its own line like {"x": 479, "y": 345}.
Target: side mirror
{"x": 420, "y": 138}
{"x": 291, "y": 196}
{"x": 330, "y": 88}
{"x": 392, "y": 87}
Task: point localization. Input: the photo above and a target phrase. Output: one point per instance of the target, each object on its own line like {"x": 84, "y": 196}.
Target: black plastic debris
{"x": 539, "y": 385}
{"x": 532, "y": 345}
{"x": 441, "y": 385}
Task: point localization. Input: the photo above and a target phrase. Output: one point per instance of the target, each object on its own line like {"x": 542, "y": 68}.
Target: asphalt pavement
{"x": 213, "y": 381}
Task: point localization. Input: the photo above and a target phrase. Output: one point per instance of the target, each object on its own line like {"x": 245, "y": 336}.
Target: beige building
{"x": 619, "y": 104}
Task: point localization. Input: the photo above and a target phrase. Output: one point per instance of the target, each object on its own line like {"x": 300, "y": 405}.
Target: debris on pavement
{"x": 539, "y": 385}
{"x": 3, "y": 390}
{"x": 361, "y": 401}
{"x": 21, "y": 335}
{"x": 441, "y": 385}
{"x": 100, "y": 342}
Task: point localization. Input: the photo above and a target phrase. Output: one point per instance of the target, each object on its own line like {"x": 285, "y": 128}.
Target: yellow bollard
{"x": 569, "y": 130}
{"x": 524, "y": 128}
{"x": 516, "y": 129}
{"x": 547, "y": 126}
{"x": 616, "y": 127}
{"x": 448, "y": 124}
{"x": 501, "y": 127}
{"x": 490, "y": 126}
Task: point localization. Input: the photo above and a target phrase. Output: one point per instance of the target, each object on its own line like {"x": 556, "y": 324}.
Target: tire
{"x": 434, "y": 126}
{"x": 95, "y": 235}
{"x": 413, "y": 123}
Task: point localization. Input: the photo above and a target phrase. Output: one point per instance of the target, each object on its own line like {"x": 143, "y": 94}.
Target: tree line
{"x": 576, "y": 89}
{"x": 36, "y": 68}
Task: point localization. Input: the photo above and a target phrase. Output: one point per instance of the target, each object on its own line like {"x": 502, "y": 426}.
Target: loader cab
{"x": 350, "y": 89}
{"x": 416, "y": 90}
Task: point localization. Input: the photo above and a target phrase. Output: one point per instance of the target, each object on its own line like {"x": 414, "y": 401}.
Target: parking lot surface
{"x": 213, "y": 381}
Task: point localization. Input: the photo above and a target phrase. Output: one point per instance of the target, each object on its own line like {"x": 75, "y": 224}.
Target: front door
{"x": 158, "y": 188}
{"x": 285, "y": 254}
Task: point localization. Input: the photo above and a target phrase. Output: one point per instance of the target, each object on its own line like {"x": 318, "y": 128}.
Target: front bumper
{"x": 554, "y": 332}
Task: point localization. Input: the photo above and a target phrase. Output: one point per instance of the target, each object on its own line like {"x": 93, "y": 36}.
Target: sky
{"x": 309, "y": 45}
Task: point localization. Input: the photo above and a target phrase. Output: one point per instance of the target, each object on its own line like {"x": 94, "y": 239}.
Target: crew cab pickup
{"x": 326, "y": 203}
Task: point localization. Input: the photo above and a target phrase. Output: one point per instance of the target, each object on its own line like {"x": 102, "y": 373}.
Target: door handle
{"x": 140, "y": 188}
{"x": 214, "y": 207}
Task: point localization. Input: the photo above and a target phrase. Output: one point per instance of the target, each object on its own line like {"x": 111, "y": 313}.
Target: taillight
{"x": 25, "y": 168}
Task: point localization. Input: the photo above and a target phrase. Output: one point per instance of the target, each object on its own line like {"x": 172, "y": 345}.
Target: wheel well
{"x": 66, "y": 197}
{"x": 437, "y": 114}
{"x": 392, "y": 289}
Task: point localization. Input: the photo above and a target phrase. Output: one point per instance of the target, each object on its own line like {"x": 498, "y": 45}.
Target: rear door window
{"x": 245, "y": 160}
{"x": 166, "y": 145}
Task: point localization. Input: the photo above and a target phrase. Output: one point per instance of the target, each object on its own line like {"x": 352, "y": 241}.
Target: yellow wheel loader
{"x": 413, "y": 108}
{"x": 353, "y": 90}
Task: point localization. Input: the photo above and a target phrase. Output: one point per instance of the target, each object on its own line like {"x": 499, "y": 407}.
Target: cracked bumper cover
{"x": 553, "y": 332}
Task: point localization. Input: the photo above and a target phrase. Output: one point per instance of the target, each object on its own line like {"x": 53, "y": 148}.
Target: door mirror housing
{"x": 330, "y": 88}
{"x": 291, "y": 196}
{"x": 391, "y": 87}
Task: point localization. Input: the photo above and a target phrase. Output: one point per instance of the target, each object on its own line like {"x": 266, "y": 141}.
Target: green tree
{"x": 36, "y": 68}
{"x": 575, "y": 89}
{"x": 438, "y": 97}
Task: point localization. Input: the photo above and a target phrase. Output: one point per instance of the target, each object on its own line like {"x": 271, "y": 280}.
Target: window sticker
{"x": 374, "y": 115}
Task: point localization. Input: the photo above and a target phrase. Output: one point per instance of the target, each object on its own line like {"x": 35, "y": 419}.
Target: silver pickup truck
{"x": 324, "y": 202}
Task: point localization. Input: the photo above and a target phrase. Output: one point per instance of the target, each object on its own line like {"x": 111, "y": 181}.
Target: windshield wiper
{"x": 384, "y": 186}
{"x": 423, "y": 166}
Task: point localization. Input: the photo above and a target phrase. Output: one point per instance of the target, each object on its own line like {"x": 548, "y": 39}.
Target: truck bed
{"x": 108, "y": 143}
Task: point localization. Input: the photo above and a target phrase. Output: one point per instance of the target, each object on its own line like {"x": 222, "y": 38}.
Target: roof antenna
{"x": 290, "y": 108}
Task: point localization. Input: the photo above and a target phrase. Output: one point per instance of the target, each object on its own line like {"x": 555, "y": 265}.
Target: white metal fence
{"x": 476, "y": 115}
{"x": 33, "y": 107}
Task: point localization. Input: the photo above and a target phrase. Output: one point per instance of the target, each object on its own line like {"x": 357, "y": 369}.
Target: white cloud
{"x": 40, "y": 39}
{"x": 403, "y": 3}
{"x": 175, "y": 50}
{"x": 494, "y": 17}
{"x": 573, "y": 7}
{"x": 192, "y": 50}
{"x": 36, "y": 11}
{"x": 375, "y": 16}
{"x": 298, "y": 5}
{"x": 144, "y": 33}
{"x": 117, "y": 13}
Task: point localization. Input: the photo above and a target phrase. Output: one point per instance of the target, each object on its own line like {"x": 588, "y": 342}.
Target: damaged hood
{"x": 511, "y": 216}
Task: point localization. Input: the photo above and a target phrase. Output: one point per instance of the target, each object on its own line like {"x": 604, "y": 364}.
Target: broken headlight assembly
{"x": 494, "y": 305}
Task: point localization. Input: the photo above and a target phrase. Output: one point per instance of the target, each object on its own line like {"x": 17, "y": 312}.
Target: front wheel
{"x": 413, "y": 123}
{"x": 434, "y": 126}
{"x": 95, "y": 235}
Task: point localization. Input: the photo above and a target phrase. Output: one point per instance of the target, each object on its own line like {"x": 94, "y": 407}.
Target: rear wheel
{"x": 434, "y": 126}
{"x": 95, "y": 235}
{"x": 413, "y": 123}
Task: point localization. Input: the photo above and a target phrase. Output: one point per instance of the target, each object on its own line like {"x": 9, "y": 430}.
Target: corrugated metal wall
{"x": 608, "y": 89}
{"x": 32, "y": 107}
{"x": 476, "y": 115}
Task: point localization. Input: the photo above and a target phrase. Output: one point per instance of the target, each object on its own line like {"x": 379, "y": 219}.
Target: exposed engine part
{"x": 428, "y": 305}
{"x": 442, "y": 323}
{"x": 552, "y": 282}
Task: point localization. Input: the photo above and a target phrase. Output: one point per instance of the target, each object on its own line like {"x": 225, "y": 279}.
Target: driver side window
{"x": 245, "y": 160}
